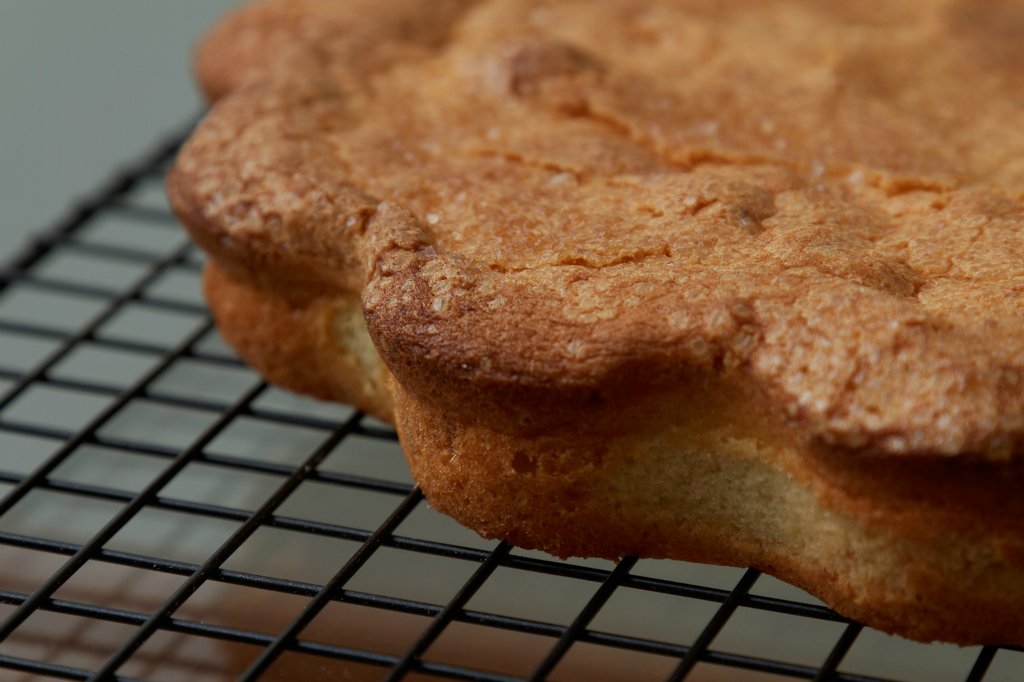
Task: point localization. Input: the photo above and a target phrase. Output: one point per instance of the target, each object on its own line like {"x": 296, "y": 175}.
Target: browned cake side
{"x": 738, "y": 283}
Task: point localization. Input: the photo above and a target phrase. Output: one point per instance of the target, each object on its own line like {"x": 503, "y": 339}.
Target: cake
{"x": 729, "y": 282}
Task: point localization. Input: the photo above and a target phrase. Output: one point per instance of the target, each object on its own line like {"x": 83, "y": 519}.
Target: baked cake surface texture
{"x": 735, "y": 282}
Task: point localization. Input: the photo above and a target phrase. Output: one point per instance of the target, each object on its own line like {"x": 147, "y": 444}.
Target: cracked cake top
{"x": 822, "y": 199}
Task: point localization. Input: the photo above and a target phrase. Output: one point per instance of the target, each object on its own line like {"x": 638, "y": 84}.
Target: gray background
{"x": 84, "y": 88}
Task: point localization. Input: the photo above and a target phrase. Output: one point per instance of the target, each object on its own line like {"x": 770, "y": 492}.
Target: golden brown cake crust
{"x": 550, "y": 195}
{"x": 789, "y": 234}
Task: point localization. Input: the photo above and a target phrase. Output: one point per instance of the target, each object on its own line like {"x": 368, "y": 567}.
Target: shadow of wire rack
{"x": 165, "y": 515}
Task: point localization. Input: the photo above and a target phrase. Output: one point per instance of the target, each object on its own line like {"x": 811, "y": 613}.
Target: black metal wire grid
{"x": 581, "y": 643}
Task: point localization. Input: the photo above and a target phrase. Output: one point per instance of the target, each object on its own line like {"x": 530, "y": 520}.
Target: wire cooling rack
{"x": 165, "y": 515}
